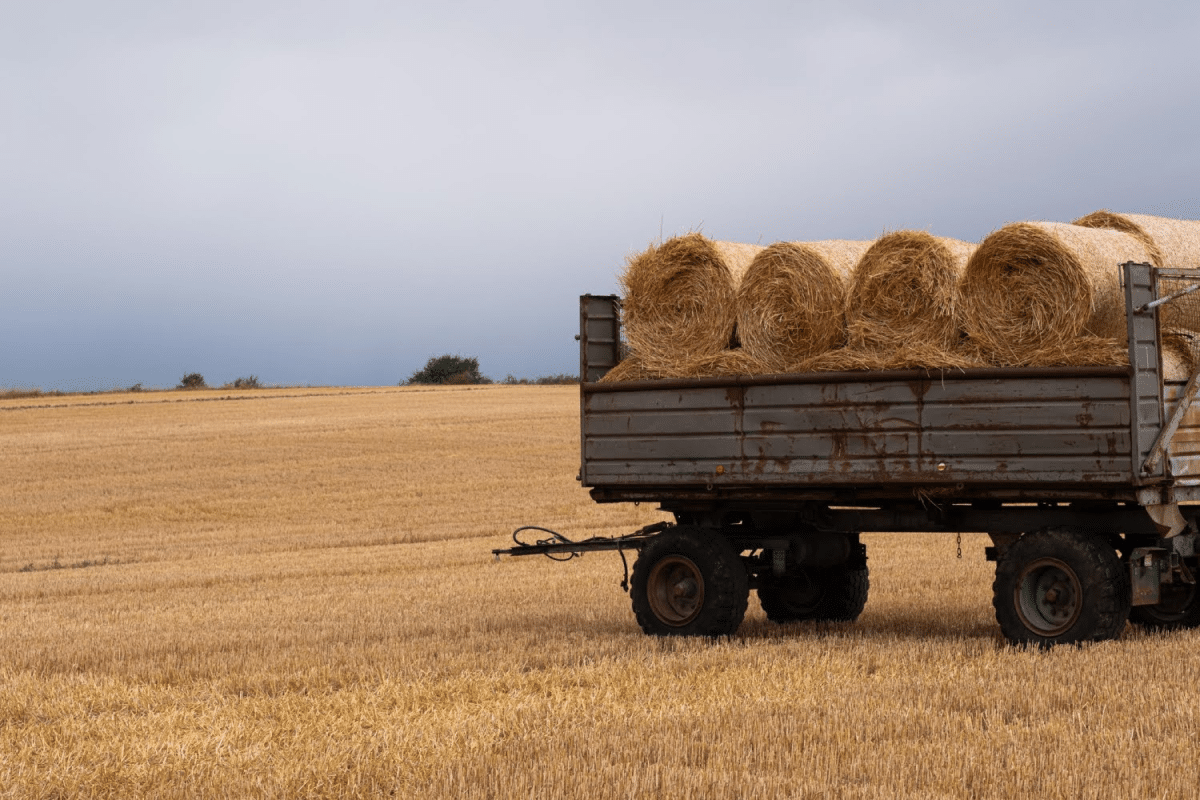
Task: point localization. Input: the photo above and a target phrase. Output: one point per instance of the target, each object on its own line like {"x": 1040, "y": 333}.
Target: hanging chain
{"x": 959, "y": 544}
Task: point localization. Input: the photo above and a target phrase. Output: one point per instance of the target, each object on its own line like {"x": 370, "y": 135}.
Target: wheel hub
{"x": 675, "y": 589}
{"x": 1049, "y": 598}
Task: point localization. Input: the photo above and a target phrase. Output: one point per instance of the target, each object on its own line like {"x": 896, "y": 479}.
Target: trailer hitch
{"x": 560, "y": 548}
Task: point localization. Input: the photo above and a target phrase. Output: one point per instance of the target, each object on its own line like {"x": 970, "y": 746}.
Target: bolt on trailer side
{"x": 1087, "y": 479}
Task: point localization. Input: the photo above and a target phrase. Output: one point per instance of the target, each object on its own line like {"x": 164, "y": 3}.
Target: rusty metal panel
{"x": 1022, "y": 431}
{"x": 812, "y": 473}
{"x": 695, "y": 397}
{"x": 663, "y": 423}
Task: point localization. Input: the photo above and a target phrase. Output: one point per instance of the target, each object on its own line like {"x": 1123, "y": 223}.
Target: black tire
{"x": 1060, "y": 586}
{"x": 687, "y": 582}
{"x": 836, "y": 594}
{"x": 1178, "y": 608}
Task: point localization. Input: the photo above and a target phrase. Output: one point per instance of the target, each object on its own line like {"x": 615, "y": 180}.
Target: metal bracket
{"x": 1167, "y": 299}
{"x": 1145, "y": 574}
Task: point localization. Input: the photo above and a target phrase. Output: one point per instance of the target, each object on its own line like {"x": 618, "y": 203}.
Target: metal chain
{"x": 959, "y": 543}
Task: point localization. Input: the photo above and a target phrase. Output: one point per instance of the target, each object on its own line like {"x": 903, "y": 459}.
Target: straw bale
{"x": 630, "y": 368}
{"x": 790, "y": 305}
{"x": 735, "y": 361}
{"x": 913, "y": 355}
{"x": 730, "y": 362}
{"x": 1084, "y": 350}
{"x": 1180, "y": 354}
{"x": 680, "y": 298}
{"x": 904, "y": 290}
{"x": 1170, "y": 242}
{"x": 1122, "y": 222}
{"x": 1033, "y": 288}
{"x": 1177, "y": 240}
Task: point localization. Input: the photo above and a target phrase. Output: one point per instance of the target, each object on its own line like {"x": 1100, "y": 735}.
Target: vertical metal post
{"x": 1145, "y": 365}
{"x": 599, "y": 351}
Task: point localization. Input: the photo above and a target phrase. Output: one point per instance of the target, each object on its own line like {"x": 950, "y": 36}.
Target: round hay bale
{"x": 735, "y": 361}
{"x": 679, "y": 299}
{"x": 1084, "y": 350}
{"x": 1169, "y": 242}
{"x": 1178, "y": 356}
{"x": 1180, "y": 353}
{"x": 791, "y": 300}
{"x": 904, "y": 293}
{"x": 913, "y": 356}
{"x": 630, "y": 368}
{"x": 1123, "y": 223}
{"x": 1034, "y": 287}
{"x": 730, "y": 362}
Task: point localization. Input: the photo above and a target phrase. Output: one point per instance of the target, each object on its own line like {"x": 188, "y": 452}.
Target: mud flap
{"x": 1167, "y": 518}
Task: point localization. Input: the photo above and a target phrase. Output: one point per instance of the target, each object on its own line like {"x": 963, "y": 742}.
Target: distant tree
{"x": 247, "y": 383}
{"x": 544, "y": 380}
{"x": 449, "y": 369}
{"x": 192, "y": 380}
{"x": 560, "y": 379}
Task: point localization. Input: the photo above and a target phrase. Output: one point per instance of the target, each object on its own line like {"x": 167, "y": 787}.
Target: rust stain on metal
{"x": 837, "y": 454}
{"x": 919, "y": 388}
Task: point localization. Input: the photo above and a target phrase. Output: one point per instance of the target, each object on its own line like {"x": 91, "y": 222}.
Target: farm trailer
{"x": 1086, "y": 479}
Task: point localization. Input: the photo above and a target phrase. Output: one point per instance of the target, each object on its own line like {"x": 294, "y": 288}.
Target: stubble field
{"x": 290, "y": 593}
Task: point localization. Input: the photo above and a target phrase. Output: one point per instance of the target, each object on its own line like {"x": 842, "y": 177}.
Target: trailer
{"x": 1086, "y": 480}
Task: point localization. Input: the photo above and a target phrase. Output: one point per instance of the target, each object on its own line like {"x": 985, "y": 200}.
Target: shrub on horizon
{"x": 448, "y": 369}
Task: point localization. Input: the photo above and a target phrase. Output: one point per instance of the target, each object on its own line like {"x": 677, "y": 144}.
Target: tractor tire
{"x": 836, "y": 594}
{"x": 1178, "y": 609}
{"x": 1060, "y": 586}
{"x": 689, "y": 582}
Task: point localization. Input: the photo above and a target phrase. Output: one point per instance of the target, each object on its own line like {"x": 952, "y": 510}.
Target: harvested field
{"x": 1047, "y": 293}
{"x": 289, "y": 593}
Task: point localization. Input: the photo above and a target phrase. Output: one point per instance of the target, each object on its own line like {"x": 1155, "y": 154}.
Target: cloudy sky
{"x": 333, "y": 192}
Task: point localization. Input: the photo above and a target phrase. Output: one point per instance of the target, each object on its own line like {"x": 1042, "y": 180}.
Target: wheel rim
{"x": 1176, "y": 601}
{"x": 1049, "y": 598}
{"x": 798, "y": 595}
{"x": 675, "y": 589}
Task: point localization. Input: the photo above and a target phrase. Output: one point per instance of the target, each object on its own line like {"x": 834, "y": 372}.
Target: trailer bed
{"x": 1019, "y": 434}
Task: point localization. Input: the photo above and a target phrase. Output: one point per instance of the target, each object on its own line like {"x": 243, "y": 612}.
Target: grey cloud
{"x": 341, "y": 190}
